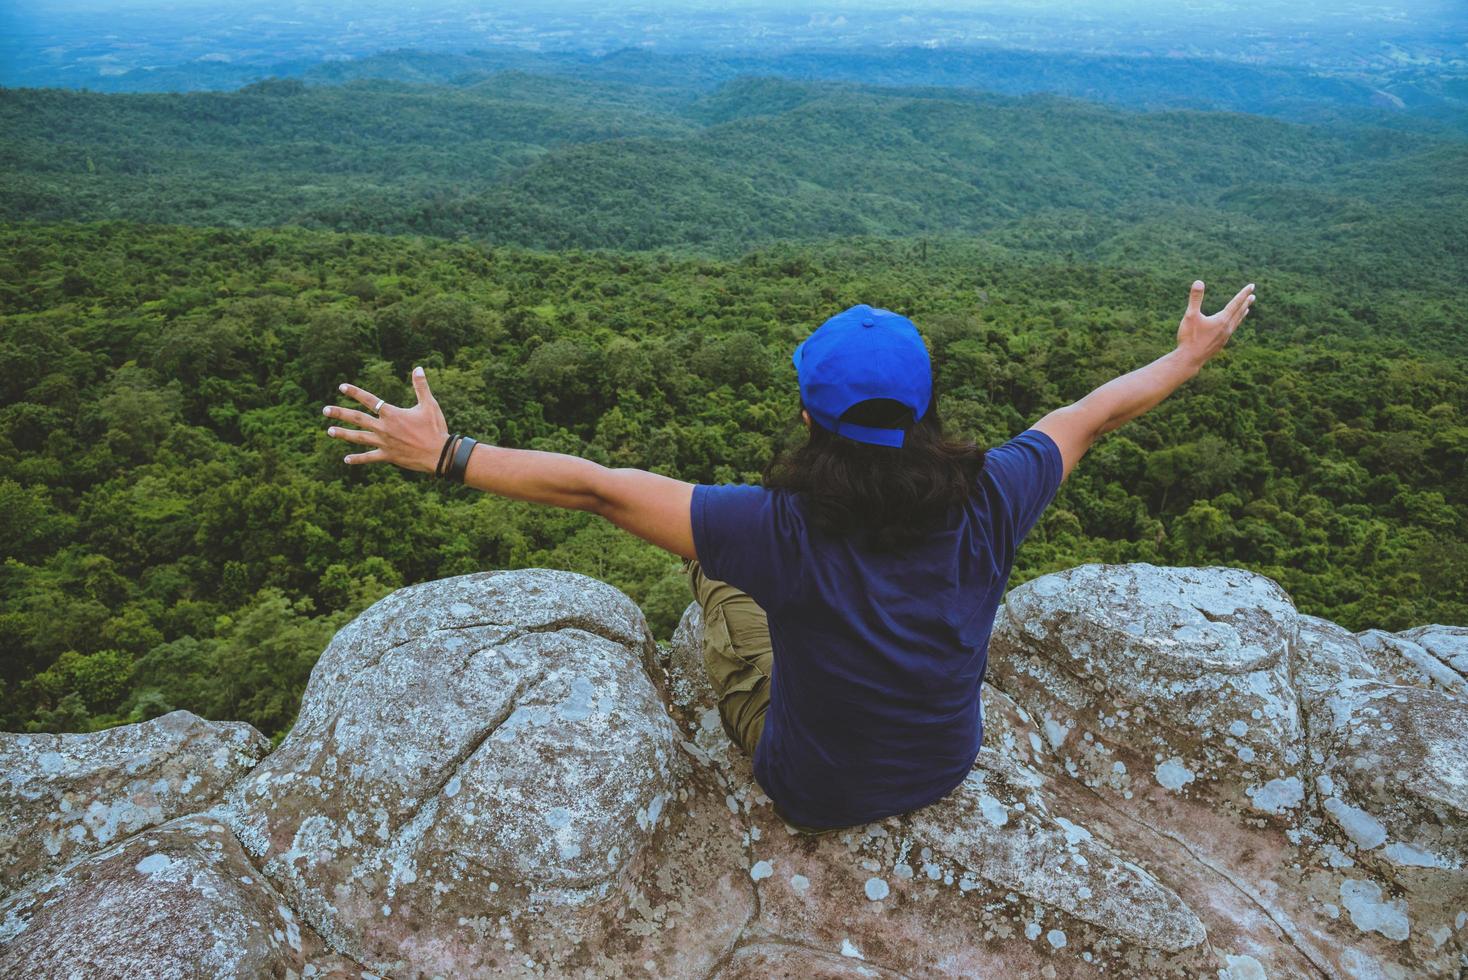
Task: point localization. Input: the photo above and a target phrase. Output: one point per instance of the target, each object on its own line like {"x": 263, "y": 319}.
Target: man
{"x": 848, "y": 601}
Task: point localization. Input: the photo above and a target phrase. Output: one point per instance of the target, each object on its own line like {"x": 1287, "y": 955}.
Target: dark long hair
{"x": 891, "y": 495}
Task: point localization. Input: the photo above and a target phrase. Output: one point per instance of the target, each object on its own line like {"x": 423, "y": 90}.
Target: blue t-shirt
{"x": 874, "y": 692}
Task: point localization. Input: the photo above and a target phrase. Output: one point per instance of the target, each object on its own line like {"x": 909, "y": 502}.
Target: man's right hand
{"x": 1199, "y": 337}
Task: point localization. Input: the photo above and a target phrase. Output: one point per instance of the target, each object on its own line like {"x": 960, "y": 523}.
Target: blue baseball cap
{"x": 861, "y": 353}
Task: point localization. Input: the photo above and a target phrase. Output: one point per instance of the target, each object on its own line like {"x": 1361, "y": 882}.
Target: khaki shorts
{"x": 737, "y": 656}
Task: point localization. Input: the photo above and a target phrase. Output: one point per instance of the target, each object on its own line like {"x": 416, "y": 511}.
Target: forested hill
{"x": 561, "y": 162}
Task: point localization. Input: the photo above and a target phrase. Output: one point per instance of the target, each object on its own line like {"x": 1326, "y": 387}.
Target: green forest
{"x": 599, "y": 269}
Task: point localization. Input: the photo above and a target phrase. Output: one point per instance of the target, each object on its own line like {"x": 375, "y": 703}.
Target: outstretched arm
{"x": 653, "y": 507}
{"x": 1075, "y": 427}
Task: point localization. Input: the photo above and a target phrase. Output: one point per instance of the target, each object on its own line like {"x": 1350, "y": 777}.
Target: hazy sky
{"x": 1368, "y": 16}
{"x": 70, "y": 41}
{"x": 1340, "y": 10}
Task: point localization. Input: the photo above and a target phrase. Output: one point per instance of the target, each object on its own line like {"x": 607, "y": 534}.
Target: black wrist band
{"x": 448, "y": 462}
{"x": 442, "y": 455}
{"x": 461, "y": 459}
{"x": 447, "y": 454}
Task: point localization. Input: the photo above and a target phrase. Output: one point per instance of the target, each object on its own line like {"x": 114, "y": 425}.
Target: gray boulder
{"x": 63, "y": 796}
{"x": 1394, "y": 780}
{"x": 1185, "y": 670}
{"x": 480, "y": 770}
{"x": 179, "y": 900}
{"x": 1448, "y": 644}
{"x": 1327, "y": 654}
{"x": 1400, "y": 660}
{"x": 1393, "y": 786}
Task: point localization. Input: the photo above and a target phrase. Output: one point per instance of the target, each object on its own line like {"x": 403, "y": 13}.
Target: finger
{"x": 354, "y": 435}
{"x": 1237, "y": 303}
{"x": 374, "y": 456}
{"x": 420, "y": 386}
{"x": 1241, "y": 311}
{"x": 365, "y": 397}
{"x": 351, "y": 415}
{"x": 1195, "y": 298}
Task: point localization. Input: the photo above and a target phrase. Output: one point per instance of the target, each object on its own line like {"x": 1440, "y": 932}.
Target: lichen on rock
{"x": 1394, "y": 781}
{"x": 177, "y": 900}
{"x": 1402, "y": 660}
{"x": 473, "y": 750}
{"x": 63, "y": 796}
{"x": 1449, "y": 644}
{"x": 1188, "y": 668}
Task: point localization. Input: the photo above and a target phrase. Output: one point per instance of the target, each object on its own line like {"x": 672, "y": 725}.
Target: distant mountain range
{"x": 564, "y": 161}
{"x": 1409, "y": 97}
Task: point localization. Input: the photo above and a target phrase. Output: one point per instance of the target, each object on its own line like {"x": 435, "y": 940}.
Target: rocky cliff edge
{"x": 502, "y": 774}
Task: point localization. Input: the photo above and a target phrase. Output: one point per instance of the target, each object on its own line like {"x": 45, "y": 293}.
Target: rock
{"x": 1395, "y": 773}
{"x": 177, "y": 900}
{"x": 1327, "y": 654}
{"x": 1325, "y": 657}
{"x": 998, "y": 827}
{"x": 1185, "y": 667}
{"x": 1010, "y": 731}
{"x": 501, "y": 774}
{"x": 1448, "y": 644}
{"x": 1403, "y": 661}
{"x": 63, "y": 796}
{"x": 1174, "y": 696}
{"x": 1388, "y": 731}
{"x": 765, "y": 961}
{"x": 480, "y": 768}
{"x": 689, "y": 694}
{"x": 1390, "y": 740}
